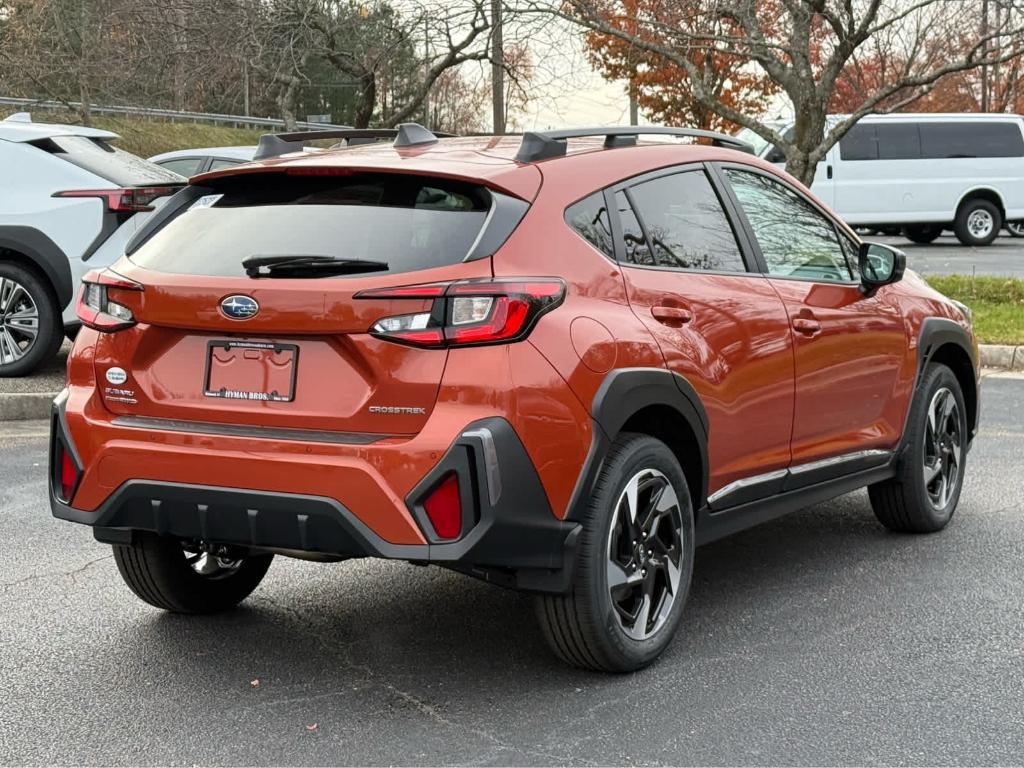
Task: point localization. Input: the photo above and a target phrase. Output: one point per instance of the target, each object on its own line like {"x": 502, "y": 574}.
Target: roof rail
{"x": 541, "y": 145}
{"x": 405, "y": 135}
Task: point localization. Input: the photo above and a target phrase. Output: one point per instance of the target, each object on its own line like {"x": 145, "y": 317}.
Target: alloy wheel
{"x": 943, "y": 449}
{"x": 1015, "y": 228}
{"x": 19, "y": 321}
{"x": 980, "y": 223}
{"x": 645, "y": 553}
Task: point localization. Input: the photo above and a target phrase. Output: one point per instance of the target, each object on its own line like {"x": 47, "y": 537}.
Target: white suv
{"x": 69, "y": 201}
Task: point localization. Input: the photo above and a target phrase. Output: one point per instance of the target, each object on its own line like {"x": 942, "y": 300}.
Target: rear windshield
{"x": 108, "y": 162}
{"x": 409, "y": 222}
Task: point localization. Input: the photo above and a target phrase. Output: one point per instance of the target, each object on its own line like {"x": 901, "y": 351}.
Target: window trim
{"x": 838, "y": 227}
{"x": 746, "y": 255}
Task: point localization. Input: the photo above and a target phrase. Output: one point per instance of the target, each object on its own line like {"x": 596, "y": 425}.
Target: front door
{"x": 720, "y": 326}
{"x": 853, "y": 378}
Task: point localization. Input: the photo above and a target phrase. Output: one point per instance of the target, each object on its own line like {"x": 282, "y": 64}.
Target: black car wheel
{"x": 187, "y": 579}
{"x": 924, "y": 494}
{"x": 977, "y": 222}
{"x": 31, "y": 330}
{"x": 634, "y": 563}
{"x": 922, "y": 233}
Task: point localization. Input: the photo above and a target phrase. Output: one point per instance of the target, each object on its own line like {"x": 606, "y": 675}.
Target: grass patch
{"x": 997, "y": 304}
{"x": 146, "y": 138}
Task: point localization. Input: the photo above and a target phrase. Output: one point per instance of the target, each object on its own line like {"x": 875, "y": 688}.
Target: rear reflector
{"x": 68, "y": 475}
{"x": 444, "y": 508}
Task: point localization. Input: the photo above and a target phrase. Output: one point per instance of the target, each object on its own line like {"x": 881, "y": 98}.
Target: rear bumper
{"x": 510, "y": 535}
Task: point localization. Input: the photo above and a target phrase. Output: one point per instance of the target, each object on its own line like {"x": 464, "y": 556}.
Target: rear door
{"x": 850, "y": 348}
{"x": 719, "y": 325}
{"x": 214, "y": 344}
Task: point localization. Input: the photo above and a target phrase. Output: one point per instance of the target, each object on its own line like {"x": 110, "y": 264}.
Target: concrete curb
{"x": 21, "y": 406}
{"x": 1002, "y": 356}
{"x": 36, "y": 405}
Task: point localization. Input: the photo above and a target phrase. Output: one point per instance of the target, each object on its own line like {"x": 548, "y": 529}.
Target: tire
{"x": 910, "y": 503}
{"x": 922, "y": 233}
{"x": 31, "y": 330}
{"x": 586, "y": 627}
{"x": 1015, "y": 228}
{"x": 977, "y": 222}
{"x": 157, "y": 570}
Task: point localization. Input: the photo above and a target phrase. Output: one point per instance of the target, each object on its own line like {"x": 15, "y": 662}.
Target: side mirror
{"x": 880, "y": 265}
{"x": 775, "y": 155}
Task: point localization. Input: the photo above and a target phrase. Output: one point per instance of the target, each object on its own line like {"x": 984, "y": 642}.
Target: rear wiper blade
{"x": 308, "y": 266}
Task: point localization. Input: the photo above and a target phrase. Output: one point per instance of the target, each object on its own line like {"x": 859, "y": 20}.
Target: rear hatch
{"x": 287, "y": 345}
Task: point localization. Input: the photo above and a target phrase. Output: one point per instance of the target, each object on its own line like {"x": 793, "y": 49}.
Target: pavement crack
{"x": 53, "y": 574}
{"x": 370, "y": 676}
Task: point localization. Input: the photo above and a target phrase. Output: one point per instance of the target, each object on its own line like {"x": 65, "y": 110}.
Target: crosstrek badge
{"x": 116, "y": 375}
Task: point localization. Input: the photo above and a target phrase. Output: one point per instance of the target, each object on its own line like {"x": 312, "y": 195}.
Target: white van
{"x": 922, "y": 173}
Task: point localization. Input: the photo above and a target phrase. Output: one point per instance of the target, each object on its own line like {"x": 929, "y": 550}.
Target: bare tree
{"x": 804, "y": 46}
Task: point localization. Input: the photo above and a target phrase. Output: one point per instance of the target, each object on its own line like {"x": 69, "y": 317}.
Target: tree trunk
{"x": 286, "y": 103}
{"x": 366, "y": 101}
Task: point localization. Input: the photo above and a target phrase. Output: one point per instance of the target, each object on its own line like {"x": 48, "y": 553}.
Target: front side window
{"x": 796, "y": 240}
{"x": 589, "y": 217}
{"x": 685, "y": 224}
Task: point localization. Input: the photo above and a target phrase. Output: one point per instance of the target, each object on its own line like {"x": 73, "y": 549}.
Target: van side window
{"x": 898, "y": 141}
{"x": 859, "y": 143}
{"x": 971, "y": 139}
{"x": 589, "y": 217}
{"x": 685, "y": 223}
{"x": 796, "y": 240}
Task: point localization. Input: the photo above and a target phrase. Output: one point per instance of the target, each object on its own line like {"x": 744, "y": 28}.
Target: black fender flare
{"x": 624, "y": 393}
{"x": 44, "y": 254}
{"x": 935, "y": 333}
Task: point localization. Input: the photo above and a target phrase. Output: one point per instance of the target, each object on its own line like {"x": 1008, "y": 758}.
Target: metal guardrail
{"x": 168, "y": 114}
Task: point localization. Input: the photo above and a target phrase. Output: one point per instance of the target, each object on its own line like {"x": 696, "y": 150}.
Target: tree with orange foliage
{"x": 663, "y": 88}
{"x": 803, "y": 47}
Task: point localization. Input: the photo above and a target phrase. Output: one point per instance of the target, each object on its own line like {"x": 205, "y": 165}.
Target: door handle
{"x": 672, "y": 315}
{"x": 828, "y": 170}
{"x": 807, "y": 325}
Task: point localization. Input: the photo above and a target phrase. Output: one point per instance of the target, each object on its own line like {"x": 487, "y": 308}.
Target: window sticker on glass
{"x": 205, "y": 201}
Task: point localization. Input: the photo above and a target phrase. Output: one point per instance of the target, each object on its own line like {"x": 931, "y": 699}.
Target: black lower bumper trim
{"x": 514, "y": 540}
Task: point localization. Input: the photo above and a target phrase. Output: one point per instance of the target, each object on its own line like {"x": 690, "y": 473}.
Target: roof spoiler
{"x": 405, "y": 135}
{"x": 541, "y": 145}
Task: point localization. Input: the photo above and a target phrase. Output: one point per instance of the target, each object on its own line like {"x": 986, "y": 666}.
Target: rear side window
{"x": 859, "y": 143}
{"x": 183, "y": 166}
{"x": 589, "y": 217}
{"x": 971, "y": 139}
{"x": 108, "y": 162}
{"x": 898, "y": 141}
{"x": 409, "y": 222}
{"x": 685, "y": 225}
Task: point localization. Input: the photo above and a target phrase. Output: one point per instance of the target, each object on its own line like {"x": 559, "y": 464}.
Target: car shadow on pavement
{"x": 385, "y": 621}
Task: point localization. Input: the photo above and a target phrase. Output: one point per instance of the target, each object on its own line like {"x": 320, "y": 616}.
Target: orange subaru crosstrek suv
{"x": 557, "y": 363}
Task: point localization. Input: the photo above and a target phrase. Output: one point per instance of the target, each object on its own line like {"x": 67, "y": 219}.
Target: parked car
{"x": 420, "y": 351}
{"x": 924, "y": 173}
{"x": 191, "y": 162}
{"x": 69, "y": 202}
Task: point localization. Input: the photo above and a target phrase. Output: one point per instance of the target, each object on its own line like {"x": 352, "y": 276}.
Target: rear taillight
{"x": 125, "y": 199}
{"x": 444, "y": 508}
{"x": 472, "y": 312}
{"x": 96, "y": 309}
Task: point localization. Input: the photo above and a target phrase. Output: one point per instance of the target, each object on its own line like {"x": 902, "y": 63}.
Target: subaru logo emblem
{"x": 239, "y": 307}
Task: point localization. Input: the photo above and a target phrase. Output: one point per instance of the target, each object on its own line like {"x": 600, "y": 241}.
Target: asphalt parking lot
{"x": 817, "y": 639}
{"x": 947, "y": 256}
